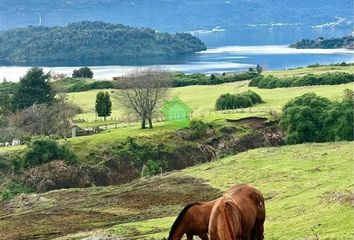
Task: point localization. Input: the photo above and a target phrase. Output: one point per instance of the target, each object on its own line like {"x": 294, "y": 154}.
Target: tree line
{"x": 307, "y": 80}
{"x": 175, "y": 79}
{"x": 181, "y": 79}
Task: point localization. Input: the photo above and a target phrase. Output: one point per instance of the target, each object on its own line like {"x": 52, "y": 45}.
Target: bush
{"x": 84, "y": 72}
{"x": 234, "y": 101}
{"x": 255, "y": 98}
{"x": 307, "y": 80}
{"x": 41, "y": 150}
{"x": 133, "y": 154}
{"x": 6, "y": 194}
{"x": 13, "y": 189}
{"x": 198, "y": 129}
{"x": 152, "y": 167}
{"x": 339, "y": 122}
{"x": 310, "y": 118}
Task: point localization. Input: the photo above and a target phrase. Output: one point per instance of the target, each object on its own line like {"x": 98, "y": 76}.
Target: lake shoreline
{"x": 214, "y": 60}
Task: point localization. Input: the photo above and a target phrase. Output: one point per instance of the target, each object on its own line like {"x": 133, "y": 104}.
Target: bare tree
{"x": 142, "y": 92}
{"x": 43, "y": 119}
{"x": 36, "y": 120}
{"x": 65, "y": 112}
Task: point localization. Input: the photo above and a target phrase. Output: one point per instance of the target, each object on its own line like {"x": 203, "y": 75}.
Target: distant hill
{"x": 180, "y": 15}
{"x": 91, "y": 41}
{"x": 344, "y": 42}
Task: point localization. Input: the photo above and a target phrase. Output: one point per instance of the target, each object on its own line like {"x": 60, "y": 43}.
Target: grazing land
{"x": 308, "y": 187}
{"x": 308, "y": 191}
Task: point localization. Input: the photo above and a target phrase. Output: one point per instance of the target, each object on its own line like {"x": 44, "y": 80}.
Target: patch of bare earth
{"x": 344, "y": 197}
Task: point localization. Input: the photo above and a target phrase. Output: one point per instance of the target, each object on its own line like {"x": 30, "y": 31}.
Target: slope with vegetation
{"x": 91, "y": 41}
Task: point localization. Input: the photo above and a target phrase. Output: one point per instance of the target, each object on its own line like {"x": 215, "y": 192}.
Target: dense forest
{"x": 344, "y": 42}
{"x": 90, "y": 41}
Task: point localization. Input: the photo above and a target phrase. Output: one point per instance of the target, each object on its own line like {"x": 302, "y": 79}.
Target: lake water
{"x": 228, "y": 51}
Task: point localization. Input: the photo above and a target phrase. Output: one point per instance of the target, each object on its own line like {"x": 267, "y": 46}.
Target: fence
{"x": 131, "y": 120}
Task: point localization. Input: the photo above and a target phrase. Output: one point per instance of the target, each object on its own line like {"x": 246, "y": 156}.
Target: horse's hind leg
{"x": 204, "y": 236}
{"x": 189, "y": 236}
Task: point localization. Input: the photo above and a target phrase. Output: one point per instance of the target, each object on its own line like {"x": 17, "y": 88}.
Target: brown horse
{"x": 238, "y": 215}
{"x": 192, "y": 221}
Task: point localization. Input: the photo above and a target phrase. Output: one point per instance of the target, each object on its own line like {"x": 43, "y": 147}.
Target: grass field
{"x": 316, "y": 70}
{"x": 308, "y": 190}
{"x": 202, "y": 98}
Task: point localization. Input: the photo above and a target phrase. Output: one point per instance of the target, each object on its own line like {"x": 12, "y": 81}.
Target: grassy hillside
{"x": 308, "y": 190}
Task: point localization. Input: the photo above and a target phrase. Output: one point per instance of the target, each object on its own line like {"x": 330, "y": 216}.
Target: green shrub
{"x": 6, "y": 194}
{"x": 339, "y": 122}
{"x": 198, "y": 129}
{"x": 41, "y": 150}
{"x": 234, "y": 101}
{"x": 12, "y": 190}
{"x": 255, "y": 98}
{"x": 134, "y": 154}
{"x": 310, "y": 118}
{"x": 152, "y": 167}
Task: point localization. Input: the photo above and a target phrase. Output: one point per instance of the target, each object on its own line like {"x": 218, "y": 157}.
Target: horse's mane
{"x": 180, "y": 218}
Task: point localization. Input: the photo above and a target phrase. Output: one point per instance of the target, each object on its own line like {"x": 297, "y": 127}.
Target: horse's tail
{"x": 179, "y": 219}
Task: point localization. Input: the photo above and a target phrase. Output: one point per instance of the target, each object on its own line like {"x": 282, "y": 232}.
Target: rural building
{"x": 176, "y": 109}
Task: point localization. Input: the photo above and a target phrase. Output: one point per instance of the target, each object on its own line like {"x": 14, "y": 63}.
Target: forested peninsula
{"x": 331, "y": 43}
{"x": 91, "y": 41}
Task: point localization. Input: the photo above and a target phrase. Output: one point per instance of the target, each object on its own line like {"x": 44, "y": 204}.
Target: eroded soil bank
{"x": 121, "y": 163}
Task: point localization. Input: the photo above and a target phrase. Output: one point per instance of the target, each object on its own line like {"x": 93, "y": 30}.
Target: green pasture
{"x": 202, "y": 98}
{"x": 314, "y": 70}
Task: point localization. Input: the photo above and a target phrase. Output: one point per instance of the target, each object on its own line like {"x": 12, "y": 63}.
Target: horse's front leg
{"x": 259, "y": 229}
